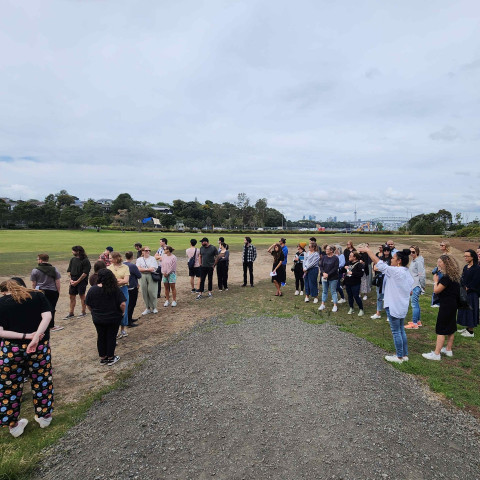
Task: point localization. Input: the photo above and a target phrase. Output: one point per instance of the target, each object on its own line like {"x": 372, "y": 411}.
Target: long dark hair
{"x": 474, "y": 255}
{"x": 277, "y": 254}
{"x": 80, "y": 250}
{"x": 403, "y": 256}
{"x": 108, "y": 281}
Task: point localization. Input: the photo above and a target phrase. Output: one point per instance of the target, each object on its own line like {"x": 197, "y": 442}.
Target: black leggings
{"x": 132, "y": 302}
{"x": 299, "y": 280}
{"x": 107, "y": 339}
{"x": 222, "y": 275}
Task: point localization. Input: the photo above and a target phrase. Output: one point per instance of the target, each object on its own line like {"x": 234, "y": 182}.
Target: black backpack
{"x": 191, "y": 261}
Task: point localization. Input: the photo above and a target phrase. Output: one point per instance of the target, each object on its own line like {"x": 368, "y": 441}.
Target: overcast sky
{"x": 316, "y": 105}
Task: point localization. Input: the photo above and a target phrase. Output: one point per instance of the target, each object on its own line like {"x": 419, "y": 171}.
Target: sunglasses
{"x": 413, "y": 252}
{"x": 147, "y": 250}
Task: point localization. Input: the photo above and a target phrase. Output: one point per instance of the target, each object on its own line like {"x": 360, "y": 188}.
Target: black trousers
{"x": 132, "y": 302}
{"x": 249, "y": 266}
{"x": 299, "y": 280}
{"x": 107, "y": 339}
{"x": 222, "y": 275}
{"x": 204, "y": 272}
{"x": 159, "y": 291}
{"x": 52, "y": 297}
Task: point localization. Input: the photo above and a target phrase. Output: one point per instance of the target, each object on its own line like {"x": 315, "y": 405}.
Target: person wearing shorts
{"x": 79, "y": 269}
{"x": 195, "y": 270}
{"x": 169, "y": 275}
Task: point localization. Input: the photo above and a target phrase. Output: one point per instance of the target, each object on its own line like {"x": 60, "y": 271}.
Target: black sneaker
{"x": 199, "y": 297}
{"x": 113, "y": 361}
{"x": 244, "y": 285}
{"x": 193, "y": 290}
{"x": 103, "y": 361}
{"x": 69, "y": 316}
{"x": 132, "y": 325}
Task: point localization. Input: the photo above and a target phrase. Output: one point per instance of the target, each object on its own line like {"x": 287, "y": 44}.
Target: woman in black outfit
{"x": 280, "y": 274}
{"x": 352, "y": 280}
{"x": 468, "y": 319}
{"x": 107, "y": 304}
{"x": 448, "y": 290}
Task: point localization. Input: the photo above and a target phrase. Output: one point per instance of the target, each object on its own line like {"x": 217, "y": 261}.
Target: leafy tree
{"x": 63, "y": 199}
{"x": 123, "y": 202}
{"x": 167, "y": 221}
{"x": 4, "y": 212}
{"x": 26, "y": 213}
{"x": 70, "y": 217}
{"x": 261, "y": 210}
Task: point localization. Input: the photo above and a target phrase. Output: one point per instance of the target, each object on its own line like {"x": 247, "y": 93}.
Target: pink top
{"x": 190, "y": 252}
{"x": 169, "y": 264}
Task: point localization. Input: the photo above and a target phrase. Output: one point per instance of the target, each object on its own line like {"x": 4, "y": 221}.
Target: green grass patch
{"x": 19, "y": 456}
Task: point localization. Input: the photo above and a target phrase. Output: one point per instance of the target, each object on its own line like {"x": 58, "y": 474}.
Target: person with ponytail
{"x": 398, "y": 283}
{"x": 107, "y": 304}
{"x": 25, "y": 315}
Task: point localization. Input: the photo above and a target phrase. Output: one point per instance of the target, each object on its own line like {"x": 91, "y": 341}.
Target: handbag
{"x": 462, "y": 301}
{"x": 156, "y": 276}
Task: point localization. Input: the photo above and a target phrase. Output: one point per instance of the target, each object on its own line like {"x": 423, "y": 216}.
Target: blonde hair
{"x": 116, "y": 258}
{"x": 19, "y": 294}
{"x": 447, "y": 246}
{"x": 452, "y": 270}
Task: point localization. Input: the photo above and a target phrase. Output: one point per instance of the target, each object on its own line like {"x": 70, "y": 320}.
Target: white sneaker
{"x": 146, "y": 312}
{"x": 166, "y": 304}
{"x": 18, "y": 430}
{"x": 174, "y": 303}
{"x": 342, "y": 300}
{"x": 315, "y": 300}
{"x": 376, "y": 316}
{"x": 467, "y": 334}
{"x": 436, "y": 305}
{"x": 334, "y": 309}
{"x": 210, "y": 294}
{"x": 462, "y": 330}
{"x": 307, "y": 299}
{"x": 321, "y": 307}
{"x": 431, "y": 356}
{"x": 43, "y": 422}
{"x": 360, "y": 313}
{"x": 301, "y": 292}
{"x": 446, "y": 352}
{"x": 393, "y": 359}
{"x": 405, "y": 359}
{"x": 365, "y": 297}
{"x": 350, "y": 311}
{"x": 297, "y": 292}
{"x": 155, "y": 310}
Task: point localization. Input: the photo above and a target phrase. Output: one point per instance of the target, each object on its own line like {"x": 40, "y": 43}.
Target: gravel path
{"x": 269, "y": 398}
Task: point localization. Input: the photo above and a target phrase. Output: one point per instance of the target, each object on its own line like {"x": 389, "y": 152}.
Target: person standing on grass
{"x": 107, "y": 304}
{"x": 397, "y": 287}
{"x": 79, "y": 269}
{"x": 329, "y": 276}
{"x": 298, "y": 268}
{"x": 310, "y": 270}
{"x": 193, "y": 271}
{"x": 135, "y": 275}
{"x": 207, "y": 262}
{"x": 122, "y": 274}
{"x": 97, "y": 266}
{"x": 448, "y": 290}
{"x": 278, "y": 268}
{"x": 46, "y": 278}
{"x": 105, "y": 256}
{"x": 348, "y": 250}
{"x": 341, "y": 271}
{"x": 222, "y": 264}
{"x": 158, "y": 258}
{"x": 391, "y": 245}
{"x": 471, "y": 281}
{"x": 417, "y": 270}
{"x": 353, "y": 278}
{"x": 138, "y": 248}
{"x": 379, "y": 279}
{"x": 283, "y": 243}
{"x": 25, "y": 315}
{"x": 249, "y": 255}
{"x": 147, "y": 265}
{"x": 445, "y": 250}
{"x": 169, "y": 275}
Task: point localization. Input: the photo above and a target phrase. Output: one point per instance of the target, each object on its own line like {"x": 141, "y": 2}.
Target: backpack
{"x": 191, "y": 261}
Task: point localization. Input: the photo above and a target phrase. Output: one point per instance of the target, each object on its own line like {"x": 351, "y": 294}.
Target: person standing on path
{"x": 283, "y": 243}
{"x": 207, "y": 262}
{"x": 222, "y": 264}
{"x": 46, "y": 277}
{"x": 107, "y": 304}
{"x": 249, "y": 255}
{"x": 79, "y": 269}
{"x": 158, "y": 258}
{"x": 105, "y": 256}
{"x": 135, "y": 276}
{"x": 398, "y": 284}
{"x": 417, "y": 270}
{"x": 448, "y": 290}
{"x": 138, "y": 248}
{"x": 122, "y": 274}
{"x": 194, "y": 266}
{"x": 169, "y": 275}
{"x": 468, "y": 319}
{"x": 147, "y": 265}
{"x": 24, "y": 353}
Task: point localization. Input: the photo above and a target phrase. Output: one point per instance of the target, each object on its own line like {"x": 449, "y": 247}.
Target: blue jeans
{"x": 379, "y": 300}
{"x": 353, "y": 294}
{"x": 124, "y": 289}
{"x": 311, "y": 285}
{"x": 332, "y": 284}
{"x": 398, "y": 333}
{"x": 415, "y": 304}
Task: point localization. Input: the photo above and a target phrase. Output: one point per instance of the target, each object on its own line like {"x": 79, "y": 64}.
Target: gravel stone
{"x": 269, "y": 398}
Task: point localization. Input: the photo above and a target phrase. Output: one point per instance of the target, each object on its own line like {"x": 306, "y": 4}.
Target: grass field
{"x": 18, "y": 248}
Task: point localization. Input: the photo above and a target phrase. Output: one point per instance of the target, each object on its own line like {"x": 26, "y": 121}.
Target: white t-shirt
{"x": 398, "y": 284}
{"x": 149, "y": 262}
